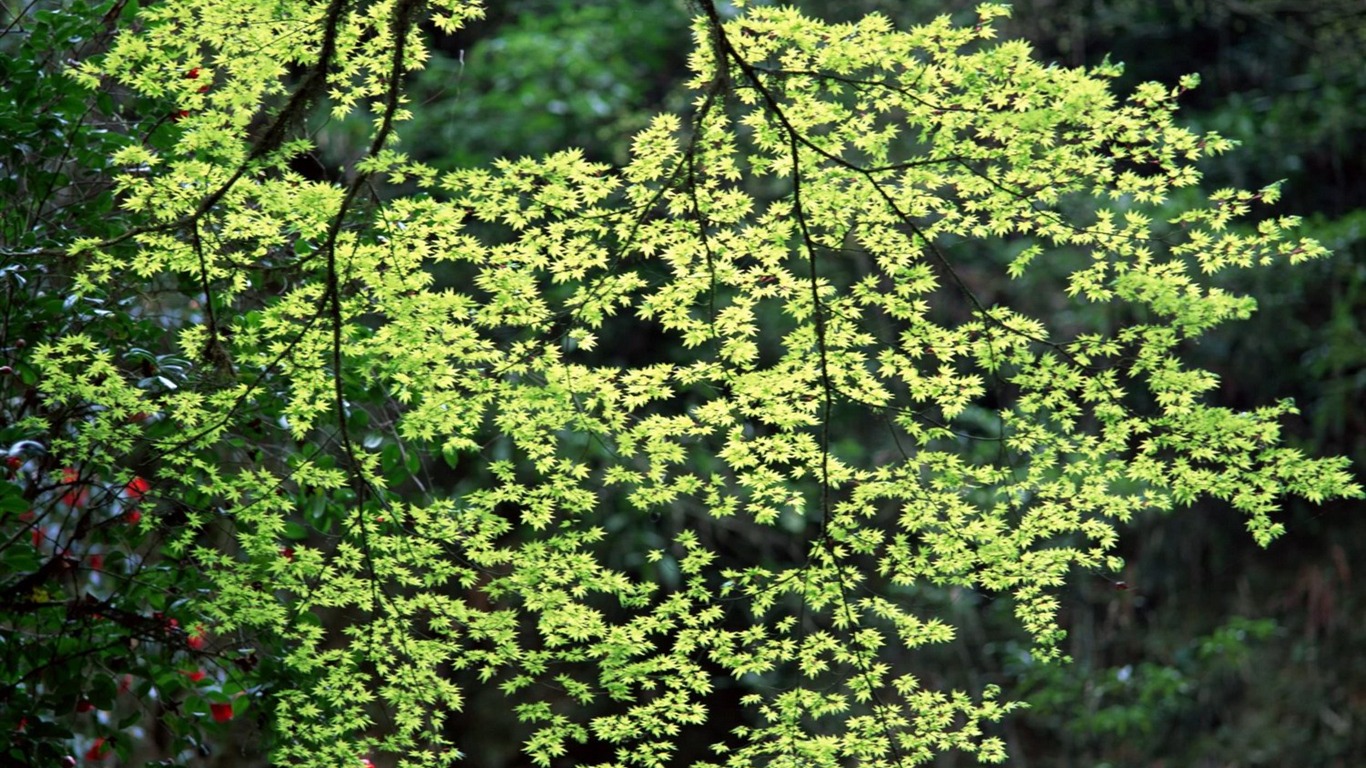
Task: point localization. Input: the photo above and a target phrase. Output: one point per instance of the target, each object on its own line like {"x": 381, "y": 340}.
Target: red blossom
{"x": 132, "y": 517}
{"x": 222, "y": 713}
{"x": 136, "y": 488}
{"x": 193, "y": 74}
{"x": 287, "y": 553}
{"x": 77, "y": 496}
{"x": 195, "y": 675}
{"x": 98, "y": 751}
{"x": 125, "y": 684}
{"x": 84, "y": 705}
{"x": 95, "y": 562}
{"x": 196, "y": 639}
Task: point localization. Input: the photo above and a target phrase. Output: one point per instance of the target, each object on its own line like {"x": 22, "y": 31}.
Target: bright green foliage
{"x": 800, "y": 235}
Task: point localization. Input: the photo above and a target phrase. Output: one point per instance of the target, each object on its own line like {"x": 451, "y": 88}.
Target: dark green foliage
{"x": 547, "y": 78}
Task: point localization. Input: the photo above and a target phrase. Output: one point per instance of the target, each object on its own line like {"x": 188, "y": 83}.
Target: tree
{"x": 379, "y": 441}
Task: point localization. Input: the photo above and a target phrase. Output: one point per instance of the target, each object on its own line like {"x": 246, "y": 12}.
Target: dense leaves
{"x": 252, "y": 435}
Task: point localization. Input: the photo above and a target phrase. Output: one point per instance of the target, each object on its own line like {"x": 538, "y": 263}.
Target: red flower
{"x": 222, "y": 713}
{"x": 132, "y": 517}
{"x": 98, "y": 751}
{"x": 287, "y": 553}
{"x": 84, "y": 705}
{"x": 194, "y": 675}
{"x": 136, "y": 488}
{"x": 96, "y": 562}
{"x": 196, "y": 639}
{"x": 38, "y": 536}
{"x": 192, "y": 74}
{"x": 179, "y": 115}
{"x": 77, "y": 496}
{"x": 125, "y": 683}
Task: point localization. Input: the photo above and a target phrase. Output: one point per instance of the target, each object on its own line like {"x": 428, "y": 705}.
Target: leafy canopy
{"x": 802, "y": 235}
